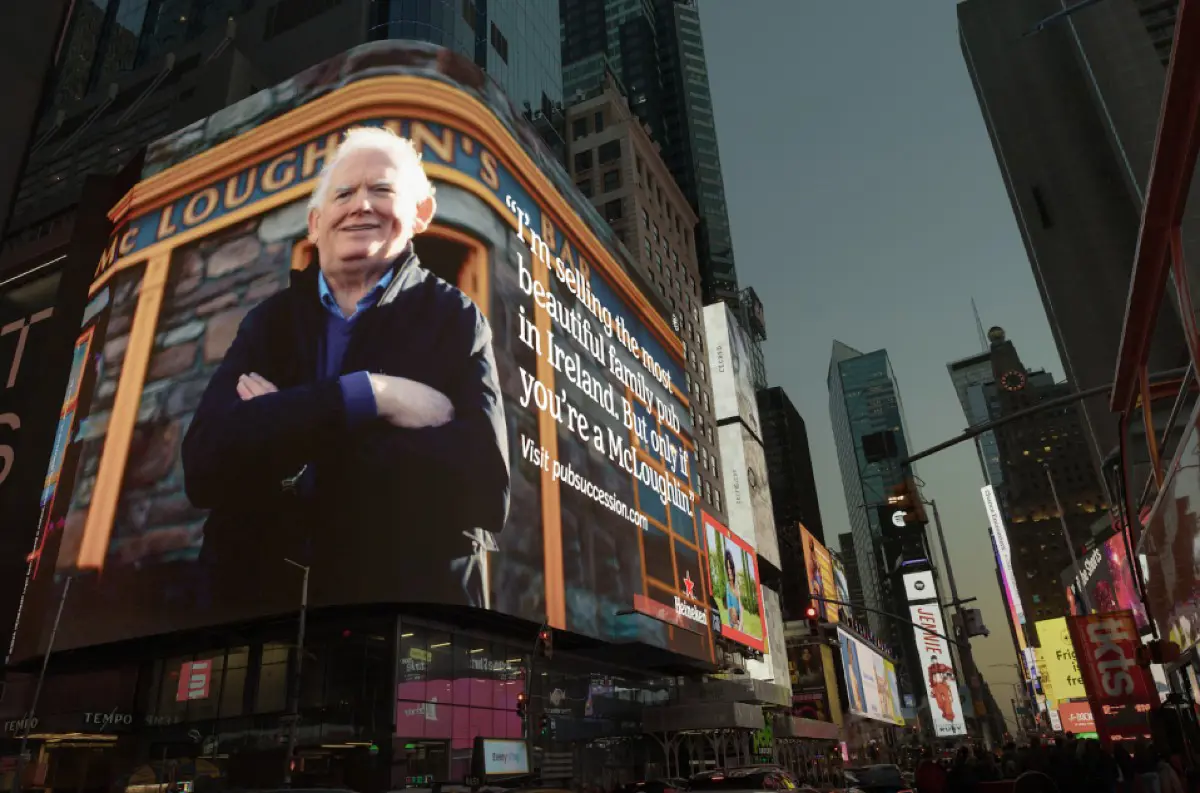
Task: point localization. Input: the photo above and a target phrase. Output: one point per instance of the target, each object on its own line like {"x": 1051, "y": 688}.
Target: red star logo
{"x": 689, "y": 586}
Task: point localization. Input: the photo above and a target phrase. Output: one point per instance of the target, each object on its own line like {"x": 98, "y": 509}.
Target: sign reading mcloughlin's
{"x": 576, "y": 501}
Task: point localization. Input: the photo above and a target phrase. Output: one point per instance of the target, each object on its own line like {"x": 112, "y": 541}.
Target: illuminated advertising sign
{"x": 1076, "y": 717}
{"x": 1119, "y": 691}
{"x": 521, "y": 443}
{"x": 736, "y": 593}
{"x": 841, "y": 584}
{"x": 747, "y": 490}
{"x": 1058, "y": 659}
{"x": 821, "y": 579}
{"x": 937, "y": 670}
{"x": 870, "y": 682}
{"x": 505, "y": 757}
{"x": 920, "y": 586}
{"x": 734, "y": 395}
{"x": 1106, "y": 575}
{"x": 806, "y": 670}
{"x": 1012, "y": 596}
{"x": 32, "y": 339}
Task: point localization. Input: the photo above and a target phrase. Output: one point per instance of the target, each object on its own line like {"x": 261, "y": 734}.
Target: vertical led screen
{"x": 1105, "y": 576}
{"x": 204, "y": 441}
{"x": 1012, "y": 596}
{"x": 937, "y": 671}
{"x": 1120, "y": 692}
{"x": 841, "y": 585}
{"x": 729, "y": 365}
{"x": 28, "y": 331}
{"x": 822, "y": 581}
{"x": 870, "y": 681}
{"x": 1058, "y": 660}
{"x": 806, "y": 670}
{"x": 736, "y": 593}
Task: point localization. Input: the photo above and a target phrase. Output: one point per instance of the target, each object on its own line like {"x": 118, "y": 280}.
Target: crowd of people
{"x": 1065, "y": 766}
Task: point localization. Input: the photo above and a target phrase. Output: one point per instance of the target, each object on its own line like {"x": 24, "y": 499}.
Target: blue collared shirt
{"x": 356, "y": 387}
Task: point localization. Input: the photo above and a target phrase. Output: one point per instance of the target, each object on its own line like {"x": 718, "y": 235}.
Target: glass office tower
{"x": 864, "y": 401}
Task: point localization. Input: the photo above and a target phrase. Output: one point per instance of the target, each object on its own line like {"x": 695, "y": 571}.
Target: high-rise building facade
{"x": 793, "y": 490}
{"x": 130, "y": 71}
{"x": 970, "y": 377}
{"x": 656, "y": 52}
{"x": 868, "y": 431}
{"x": 614, "y": 163}
{"x": 1048, "y": 478}
{"x": 1072, "y": 112}
{"x": 849, "y": 557}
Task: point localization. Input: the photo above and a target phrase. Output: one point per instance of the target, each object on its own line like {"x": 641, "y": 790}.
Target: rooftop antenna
{"x": 983, "y": 343}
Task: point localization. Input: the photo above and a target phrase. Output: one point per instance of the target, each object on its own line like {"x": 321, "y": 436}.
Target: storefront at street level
{"x": 382, "y": 699}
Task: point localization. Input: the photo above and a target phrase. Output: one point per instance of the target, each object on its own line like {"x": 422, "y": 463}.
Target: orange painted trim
{"x": 164, "y": 248}
{"x": 97, "y": 529}
{"x": 552, "y": 539}
{"x": 383, "y": 97}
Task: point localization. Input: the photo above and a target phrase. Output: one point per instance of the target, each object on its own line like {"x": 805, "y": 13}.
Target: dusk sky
{"x": 867, "y": 206}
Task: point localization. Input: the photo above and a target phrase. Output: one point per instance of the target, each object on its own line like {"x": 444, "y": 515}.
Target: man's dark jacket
{"x": 381, "y": 511}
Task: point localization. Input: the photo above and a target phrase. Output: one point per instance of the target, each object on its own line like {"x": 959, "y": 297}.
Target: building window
{"x": 610, "y": 152}
{"x": 468, "y": 12}
{"x": 598, "y": 124}
{"x": 612, "y": 179}
{"x": 646, "y": 246}
{"x": 612, "y": 210}
{"x": 499, "y": 43}
{"x": 583, "y": 160}
{"x": 585, "y": 187}
{"x": 658, "y": 262}
{"x": 654, "y": 231}
{"x": 645, "y": 219}
{"x": 579, "y": 128}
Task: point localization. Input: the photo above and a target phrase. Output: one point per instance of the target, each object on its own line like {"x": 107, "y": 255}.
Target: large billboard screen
{"x": 1106, "y": 576}
{"x": 1012, "y": 597}
{"x": 822, "y": 581}
{"x": 736, "y": 592}
{"x": 841, "y": 585}
{"x": 1120, "y": 692}
{"x": 534, "y": 456}
{"x": 747, "y": 490}
{"x": 937, "y": 670}
{"x": 806, "y": 671}
{"x": 29, "y": 330}
{"x": 734, "y": 395}
{"x": 1058, "y": 660}
{"x": 870, "y": 681}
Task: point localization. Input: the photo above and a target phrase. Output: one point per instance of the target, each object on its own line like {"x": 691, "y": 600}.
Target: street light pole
{"x": 37, "y": 690}
{"x": 294, "y": 703}
{"x": 1062, "y": 520}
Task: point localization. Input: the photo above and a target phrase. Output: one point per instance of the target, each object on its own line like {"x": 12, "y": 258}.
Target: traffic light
{"x": 522, "y": 705}
{"x": 544, "y": 725}
{"x": 545, "y": 642}
{"x": 905, "y": 501}
{"x": 813, "y": 616}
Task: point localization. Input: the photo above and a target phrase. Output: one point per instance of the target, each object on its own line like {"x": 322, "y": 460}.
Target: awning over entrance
{"x": 703, "y": 716}
{"x": 796, "y": 727}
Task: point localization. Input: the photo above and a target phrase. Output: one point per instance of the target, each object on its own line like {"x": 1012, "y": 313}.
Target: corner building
{"x": 153, "y": 678}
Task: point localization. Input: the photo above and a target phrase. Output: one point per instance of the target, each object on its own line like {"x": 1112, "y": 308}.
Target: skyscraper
{"x": 1071, "y": 110}
{"x": 970, "y": 376}
{"x": 130, "y": 71}
{"x": 868, "y": 431}
{"x": 656, "y": 52}
{"x": 793, "y": 490}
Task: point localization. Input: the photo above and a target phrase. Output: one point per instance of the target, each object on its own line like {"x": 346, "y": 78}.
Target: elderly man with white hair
{"x": 356, "y": 423}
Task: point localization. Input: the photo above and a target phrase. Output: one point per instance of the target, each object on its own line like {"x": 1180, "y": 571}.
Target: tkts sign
{"x": 1121, "y": 693}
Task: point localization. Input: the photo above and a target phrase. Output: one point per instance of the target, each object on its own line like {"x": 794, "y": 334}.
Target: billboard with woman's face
{"x": 736, "y": 592}
{"x": 215, "y": 440}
